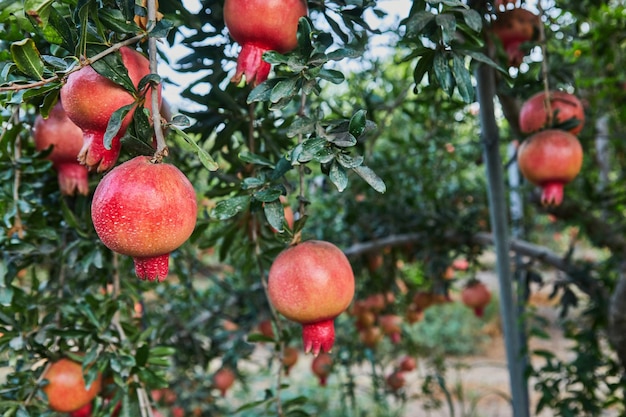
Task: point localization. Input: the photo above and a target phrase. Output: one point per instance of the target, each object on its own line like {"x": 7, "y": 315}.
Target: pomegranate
{"x": 365, "y": 319}
{"x": 395, "y": 380}
{"x": 460, "y": 264}
{"x": 514, "y": 27}
{"x": 370, "y": 336}
{"x": 84, "y": 411}
{"x": 266, "y": 329}
{"x": 223, "y": 379}
{"x": 534, "y": 116}
{"x": 289, "y": 359}
{"x": 413, "y": 314}
{"x": 311, "y": 283}
{"x": 390, "y": 325}
{"x": 407, "y": 364}
{"x": 259, "y": 26}
{"x": 321, "y": 366}
{"x": 376, "y": 302}
{"x": 476, "y": 295}
{"x": 66, "y": 390}
{"x": 144, "y": 210}
{"x": 90, "y": 99}
{"x": 550, "y": 159}
{"x": 66, "y": 140}
{"x": 178, "y": 412}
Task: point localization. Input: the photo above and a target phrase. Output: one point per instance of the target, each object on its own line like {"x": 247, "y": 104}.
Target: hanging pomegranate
{"x": 223, "y": 379}
{"x": 144, "y": 210}
{"x": 311, "y": 283}
{"x": 513, "y": 27}
{"x": 260, "y": 26}
{"x": 66, "y": 389}
{"x": 90, "y": 100}
{"x": 564, "y": 106}
{"x": 476, "y": 296}
{"x": 66, "y": 140}
{"x": 550, "y": 159}
{"x": 322, "y": 366}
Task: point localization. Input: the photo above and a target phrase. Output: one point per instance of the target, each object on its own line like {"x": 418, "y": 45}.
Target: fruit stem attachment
{"x": 318, "y": 336}
{"x": 161, "y": 146}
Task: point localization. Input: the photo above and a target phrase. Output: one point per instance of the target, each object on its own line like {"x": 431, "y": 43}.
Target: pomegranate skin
{"x": 90, "y": 99}
{"x": 534, "y": 117}
{"x": 311, "y": 283}
{"x": 66, "y": 139}
{"x": 514, "y": 27}
{"x": 223, "y": 380}
{"x": 259, "y": 26}
{"x": 476, "y": 296}
{"x": 144, "y": 210}
{"x": 66, "y": 390}
{"x": 550, "y": 159}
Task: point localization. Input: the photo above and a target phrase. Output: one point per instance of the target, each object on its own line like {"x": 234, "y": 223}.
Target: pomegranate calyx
{"x": 72, "y": 178}
{"x": 251, "y": 65}
{"x": 479, "y": 311}
{"x": 95, "y": 154}
{"x": 318, "y": 336}
{"x": 552, "y": 194}
{"x": 154, "y": 268}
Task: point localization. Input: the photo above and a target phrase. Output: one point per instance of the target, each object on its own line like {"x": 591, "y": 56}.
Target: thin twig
{"x": 161, "y": 146}
{"x": 83, "y": 63}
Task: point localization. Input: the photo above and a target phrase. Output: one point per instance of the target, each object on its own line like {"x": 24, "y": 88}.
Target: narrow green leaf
{"x": 472, "y": 19}
{"x": 204, "y": 157}
{"x": 443, "y": 73}
{"x": 111, "y": 67}
{"x": 226, "y": 209}
{"x": 342, "y": 53}
{"x": 348, "y": 161}
{"x": 263, "y": 91}
{"x": 417, "y": 23}
{"x": 27, "y": 58}
{"x": 371, "y": 178}
{"x": 338, "y": 176}
{"x": 424, "y": 64}
{"x": 269, "y": 194}
{"x": 447, "y": 22}
{"x": 59, "y": 31}
{"x": 358, "y": 122}
{"x": 161, "y": 29}
{"x": 282, "y": 167}
{"x": 275, "y": 214}
{"x": 300, "y": 125}
{"x": 114, "y": 20}
{"x": 333, "y": 76}
{"x": 285, "y": 88}
{"x": 115, "y": 124}
{"x": 463, "y": 78}
{"x": 251, "y": 158}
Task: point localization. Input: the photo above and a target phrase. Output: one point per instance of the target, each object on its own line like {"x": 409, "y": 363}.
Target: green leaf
{"x": 463, "y": 78}
{"x": 333, "y": 76}
{"x": 371, "y": 178}
{"x": 251, "y": 158}
{"x": 424, "y": 64}
{"x": 111, "y": 67}
{"x": 348, "y": 161}
{"x": 161, "y": 29}
{"x": 358, "y": 122}
{"x": 301, "y": 125}
{"x": 275, "y": 214}
{"x": 202, "y": 155}
{"x": 59, "y": 31}
{"x": 263, "y": 91}
{"x": 338, "y": 176}
{"x": 443, "y": 73}
{"x": 282, "y": 167}
{"x": 447, "y": 22}
{"x": 418, "y": 22}
{"x": 27, "y": 58}
{"x": 226, "y": 209}
{"x": 114, "y": 20}
{"x": 342, "y": 53}
{"x": 285, "y": 88}
{"x": 115, "y": 124}
{"x": 472, "y": 19}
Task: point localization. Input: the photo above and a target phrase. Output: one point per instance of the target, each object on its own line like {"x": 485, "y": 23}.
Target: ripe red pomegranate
{"x": 534, "y": 116}
{"x": 476, "y": 295}
{"x": 514, "y": 27}
{"x": 66, "y": 390}
{"x": 266, "y": 329}
{"x": 396, "y": 380}
{"x": 290, "y": 357}
{"x": 550, "y": 159}
{"x": 259, "y": 26}
{"x": 144, "y": 210}
{"x": 90, "y": 99}
{"x": 66, "y": 140}
{"x": 84, "y": 411}
{"x": 312, "y": 283}
{"x": 407, "y": 364}
{"x": 223, "y": 379}
{"x": 370, "y": 336}
{"x": 391, "y": 326}
{"x": 321, "y": 366}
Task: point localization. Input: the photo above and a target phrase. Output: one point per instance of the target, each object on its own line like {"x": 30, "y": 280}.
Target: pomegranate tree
{"x": 66, "y": 389}
{"x": 321, "y": 366}
{"x": 144, "y": 210}
{"x": 90, "y": 100}
{"x": 223, "y": 379}
{"x": 550, "y": 159}
{"x": 260, "y": 26}
{"x": 564, "y": 107}
{"x": 66, "y": 140}
{"x": 311, "y": 283}
{"x": 514, "y": 27}
{"x": 476, "y": 296}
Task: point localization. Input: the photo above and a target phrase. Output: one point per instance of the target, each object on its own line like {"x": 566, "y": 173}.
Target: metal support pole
{"x": 499, "y": 224}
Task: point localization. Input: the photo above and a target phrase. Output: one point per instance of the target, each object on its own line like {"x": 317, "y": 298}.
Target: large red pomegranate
{"x": 514, "y": 27}
{"x": 144, "y": 210}
{"x": 66, "y": 140}
{"x": 321, "y": 366}
{"x": 534, "y": 116}
{"x": 550, "y": 159}
{"x": 312, "y": 283}
{"x": 259, "y": 26}
{"x": 66, "y": 390}
{"x": 90, "y": 99}
{"x": 223, "y": 379}
{"x": 476, "y": 295}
